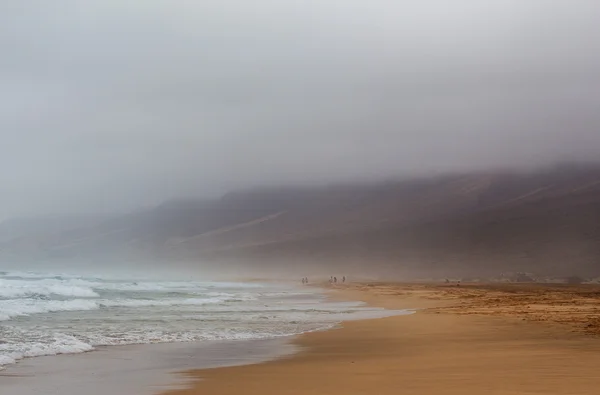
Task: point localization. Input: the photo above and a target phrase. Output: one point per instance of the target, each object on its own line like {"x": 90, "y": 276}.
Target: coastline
{"x": 439, "y": 349}
{"x": 143, "y": 369}
{"x": 472, "y": 339}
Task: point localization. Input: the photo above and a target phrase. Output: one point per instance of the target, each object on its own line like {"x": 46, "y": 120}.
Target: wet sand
{"x": 131, "y": 370}
{"x": 468, "y": 340}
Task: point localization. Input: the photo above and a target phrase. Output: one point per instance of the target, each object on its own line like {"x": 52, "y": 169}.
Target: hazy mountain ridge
{"x": 478, "y": 223}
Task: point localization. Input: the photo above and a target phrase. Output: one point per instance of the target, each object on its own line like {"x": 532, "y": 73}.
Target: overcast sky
{"x": 116, "y": 104}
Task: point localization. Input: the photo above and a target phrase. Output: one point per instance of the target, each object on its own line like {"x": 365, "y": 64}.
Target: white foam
{"x": 24, "y": 307}
{"x": 59, "y": 344}
{"x": 60, "y": 314}
{"x": 21, "y": 288}
{"x": 82, "y": 288}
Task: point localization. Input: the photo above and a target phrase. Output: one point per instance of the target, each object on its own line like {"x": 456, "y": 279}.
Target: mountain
{"x": 546, "y": 221}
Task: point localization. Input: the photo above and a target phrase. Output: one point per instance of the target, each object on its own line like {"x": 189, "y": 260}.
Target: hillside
{"x": 473, "y": 224}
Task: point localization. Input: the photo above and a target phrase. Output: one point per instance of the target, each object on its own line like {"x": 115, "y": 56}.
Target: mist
{"x": 110, "y": 106}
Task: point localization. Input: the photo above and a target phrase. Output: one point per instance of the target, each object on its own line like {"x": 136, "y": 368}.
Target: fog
{"x": 113, "y": 105}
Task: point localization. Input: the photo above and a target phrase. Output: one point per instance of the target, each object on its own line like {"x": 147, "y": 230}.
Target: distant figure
{"x": 344, "y": 279}
{"x": 306, "y": 280}
{"x": 303, "y": 280}
{"x": 335, "y": 279}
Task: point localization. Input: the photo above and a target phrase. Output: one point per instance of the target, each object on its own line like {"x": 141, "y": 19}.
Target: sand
{"x": 472, "y": 340}
{"x": 144, "y": 369}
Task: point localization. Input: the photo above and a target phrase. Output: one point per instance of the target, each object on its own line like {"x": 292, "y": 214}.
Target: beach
{"x": 462, "y": 340}
{"x": 61, "y": 333}
{"x": 132, "y": 370}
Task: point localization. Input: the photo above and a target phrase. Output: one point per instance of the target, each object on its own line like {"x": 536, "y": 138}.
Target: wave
{"x": 24, "y": 307}
{"x": 14, "y": 287}
{"x": 30, "y": 344}
{"x": 17, "y": 288}
{"x": 35, "y": 275}
{"x": 59, "y": 344}
{"x": 48, "y": 314}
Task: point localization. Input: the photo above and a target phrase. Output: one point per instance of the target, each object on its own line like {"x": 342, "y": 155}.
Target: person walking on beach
{"x": 344, "y": 279}
{"x": 335, "y": 280}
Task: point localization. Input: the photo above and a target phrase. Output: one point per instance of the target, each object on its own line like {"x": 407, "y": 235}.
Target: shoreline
{"x": 442, "y": 348}
{"x": 468, "y": 340}
{"x": 141, "y": 369}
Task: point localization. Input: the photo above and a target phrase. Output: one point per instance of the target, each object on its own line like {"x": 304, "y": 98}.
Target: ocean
{"x": 45, "y": 314}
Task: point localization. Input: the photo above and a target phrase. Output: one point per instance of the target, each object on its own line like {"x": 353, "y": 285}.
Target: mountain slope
{"x": 485, "y": 223}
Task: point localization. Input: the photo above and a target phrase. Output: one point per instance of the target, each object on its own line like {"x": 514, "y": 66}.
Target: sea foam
{"x": 48, "y": 314}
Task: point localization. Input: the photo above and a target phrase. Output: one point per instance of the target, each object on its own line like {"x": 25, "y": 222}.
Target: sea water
{"x": 48, "y": 314}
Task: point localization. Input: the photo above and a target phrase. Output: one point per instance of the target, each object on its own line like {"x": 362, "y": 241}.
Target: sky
{"x": 112, "y": 105}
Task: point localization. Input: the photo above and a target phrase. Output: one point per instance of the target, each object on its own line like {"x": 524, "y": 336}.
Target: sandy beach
{"x": 500, "y": 339}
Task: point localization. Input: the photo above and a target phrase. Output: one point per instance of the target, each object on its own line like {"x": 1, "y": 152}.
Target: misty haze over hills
{"x": 110, "y": 107}
{"x": 547, "y": 222}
